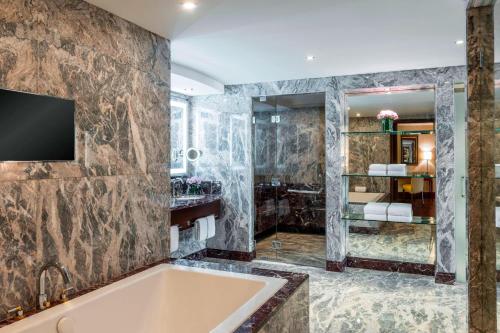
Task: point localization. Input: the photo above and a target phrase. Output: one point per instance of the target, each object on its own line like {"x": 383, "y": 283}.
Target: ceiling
{"x": 242, "y": 41}
{"x": 406, "y": 104}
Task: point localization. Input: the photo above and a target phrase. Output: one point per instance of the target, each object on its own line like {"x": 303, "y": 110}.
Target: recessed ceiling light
{"x": 310, "y": 58}
{"x": 459, "y": 42}
{"x": 189, "y": 5}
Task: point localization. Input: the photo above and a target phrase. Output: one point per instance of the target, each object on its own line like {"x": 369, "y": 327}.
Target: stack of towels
{"x": 205, "y": 227}
{"x": 377, "y": 170}
{"x": 387, "y": 170}
{"x": 396, "y": 170}
{"x": 400, "y": 212}
{"x": 383, "y": 211}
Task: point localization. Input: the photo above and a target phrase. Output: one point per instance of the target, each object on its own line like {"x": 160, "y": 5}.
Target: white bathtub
{"x": 166, "y": 298}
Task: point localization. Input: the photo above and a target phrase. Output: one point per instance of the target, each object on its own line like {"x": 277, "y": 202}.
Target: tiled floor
{"x": 399, "y": 242}
{"x": 370, "y": 301}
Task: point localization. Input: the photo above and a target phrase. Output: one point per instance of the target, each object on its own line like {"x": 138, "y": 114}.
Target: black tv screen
{"x": 36, "y": 128}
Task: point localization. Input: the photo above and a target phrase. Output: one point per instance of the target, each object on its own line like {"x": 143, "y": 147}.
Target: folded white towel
{"x": 497, "y": 217}
{"x": 400, "y": 209}
{"x": 397, "y": 173}
{"x": 174, "y": 238}
{"x": 375, "y": 217}
{"x": 360, "y": 189}
{"x": 379, "y": 167}
{"x": 377, "y": 173}
{"x": 396, "y": 167}
{"x": 377, "y": 208}
{"x": 201, "y": 226}
{"x": 210, "y": 226}
{"x": 392, "y": 218}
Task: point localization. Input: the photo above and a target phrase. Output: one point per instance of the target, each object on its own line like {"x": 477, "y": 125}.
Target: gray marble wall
{"x": 236, "y": 232}
{"x": 364, "y": 151}
{"x": 106, "y": 213}
{"x": 294, "y": 148}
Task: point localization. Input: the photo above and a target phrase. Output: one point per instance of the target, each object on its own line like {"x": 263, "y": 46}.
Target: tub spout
{"x": 43, "y": 302}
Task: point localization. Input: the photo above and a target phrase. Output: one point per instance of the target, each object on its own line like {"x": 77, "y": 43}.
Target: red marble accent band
{"x": 336, "y": 266}
{"x": 391, "y": 266}
{"x": 445, "y": 278}
{"x": 231, "y": 255}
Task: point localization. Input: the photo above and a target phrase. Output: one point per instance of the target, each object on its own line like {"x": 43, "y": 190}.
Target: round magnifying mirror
{"x": 193, "y": 154}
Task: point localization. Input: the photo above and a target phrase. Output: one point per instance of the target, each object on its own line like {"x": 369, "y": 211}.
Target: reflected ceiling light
{"x": 310, "y": 58}
{"x": 459, "y": 42}
{"x": 358, "y": 114}
{"x": 189, "y": 5}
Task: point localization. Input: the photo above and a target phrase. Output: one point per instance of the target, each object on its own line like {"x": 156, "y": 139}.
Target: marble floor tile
{"x": 307, "y": 250}
{"x": 393, "y": 242}
{"x": 371, "y": 301}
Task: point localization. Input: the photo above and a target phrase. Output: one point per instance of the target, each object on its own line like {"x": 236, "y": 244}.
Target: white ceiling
{"x": 243, "y": 41}
{"x": 406, "y": 104}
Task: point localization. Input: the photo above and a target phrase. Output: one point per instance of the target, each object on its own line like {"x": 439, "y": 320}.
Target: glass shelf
{"x": 416, "y": 219}
{"x": 374, "y": 133}
{"x": 409, "y": 175}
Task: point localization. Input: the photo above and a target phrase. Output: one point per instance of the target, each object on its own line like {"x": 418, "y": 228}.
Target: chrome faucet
{"x": 43, "y": 302}
{"x": 175, "y": 188}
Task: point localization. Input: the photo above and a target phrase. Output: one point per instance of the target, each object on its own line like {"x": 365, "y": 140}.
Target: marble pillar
{"x": 481, "y": 171}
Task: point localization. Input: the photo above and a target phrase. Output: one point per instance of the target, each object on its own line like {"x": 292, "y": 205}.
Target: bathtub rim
{"x": 272, "y": 285}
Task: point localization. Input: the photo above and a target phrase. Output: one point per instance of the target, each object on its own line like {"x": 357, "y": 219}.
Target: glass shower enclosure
{"x": 289, "y": 178}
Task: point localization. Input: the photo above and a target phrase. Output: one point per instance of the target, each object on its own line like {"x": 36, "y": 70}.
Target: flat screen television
{"x": 36, "y": 127}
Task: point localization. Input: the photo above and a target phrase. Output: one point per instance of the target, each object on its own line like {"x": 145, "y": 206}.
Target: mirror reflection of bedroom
{"x": 390, "y": 175}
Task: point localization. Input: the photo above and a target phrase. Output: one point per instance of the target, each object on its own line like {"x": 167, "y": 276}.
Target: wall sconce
{"x": 427, "y": 158}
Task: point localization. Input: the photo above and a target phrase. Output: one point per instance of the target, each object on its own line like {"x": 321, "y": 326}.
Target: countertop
{"x": 176, "y": 205}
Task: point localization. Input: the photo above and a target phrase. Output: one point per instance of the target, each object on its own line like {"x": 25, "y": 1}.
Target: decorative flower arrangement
{"x": 194, "y": 180}
{"x": 194, "y": 185}
{"x": 387, "y": 118}
{"x": 387, "y": 114}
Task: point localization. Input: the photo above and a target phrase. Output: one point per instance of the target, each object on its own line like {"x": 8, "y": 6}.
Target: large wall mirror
{"x": 390, "y": 175}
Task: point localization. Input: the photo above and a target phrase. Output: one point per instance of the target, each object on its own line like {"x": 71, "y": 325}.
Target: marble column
{"x": 481, "y": 171}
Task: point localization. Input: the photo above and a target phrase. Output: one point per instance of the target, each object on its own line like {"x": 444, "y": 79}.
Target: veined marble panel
{"x": 335, "y": 88}
{"x": 107, "y": 212}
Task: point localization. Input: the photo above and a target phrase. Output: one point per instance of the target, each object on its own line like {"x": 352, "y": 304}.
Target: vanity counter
{"x": 184, "y": 212}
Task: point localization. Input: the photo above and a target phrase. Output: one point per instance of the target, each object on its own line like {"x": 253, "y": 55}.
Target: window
{"x": 178, "y": 137}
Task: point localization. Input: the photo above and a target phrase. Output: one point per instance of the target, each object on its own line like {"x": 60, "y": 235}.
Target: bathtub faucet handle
{"x": 17, "y": 312}
{"x": 65, "y": 293}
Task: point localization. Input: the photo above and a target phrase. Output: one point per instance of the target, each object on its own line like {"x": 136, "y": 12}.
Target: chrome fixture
{"x": 16, "y": 312}
{"x": 43, "y": 302}
{"x": 175, "y": 187}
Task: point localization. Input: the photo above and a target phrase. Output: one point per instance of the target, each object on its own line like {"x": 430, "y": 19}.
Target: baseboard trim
{"x": 231, "y": 255}
{"x": 391, "y": 266}
{"x": 336, "y": 266}
{"x": 445, "y": 278}
{"x": 200, "y": 255}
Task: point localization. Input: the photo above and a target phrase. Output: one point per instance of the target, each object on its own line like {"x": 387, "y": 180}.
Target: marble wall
{"x": 237, "y": 230}
{"x": 364, "y": 151}
{"x": 107, "y": 212}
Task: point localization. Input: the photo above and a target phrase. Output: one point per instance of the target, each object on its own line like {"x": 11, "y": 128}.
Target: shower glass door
{"x": 289, "y": 178}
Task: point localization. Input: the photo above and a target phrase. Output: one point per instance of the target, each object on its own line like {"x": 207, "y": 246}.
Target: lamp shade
{"x": 427, "y": 155}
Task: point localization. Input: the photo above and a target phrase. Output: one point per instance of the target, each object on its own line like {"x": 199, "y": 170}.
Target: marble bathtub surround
{"x": 286, "y": 311}
{"x": 106, "y": 213}
{"x": 481, "y": 181}
{"x": 288, "y": 308}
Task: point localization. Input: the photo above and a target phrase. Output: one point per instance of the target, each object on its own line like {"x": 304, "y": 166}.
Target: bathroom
{"x": 211, "y": 171}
